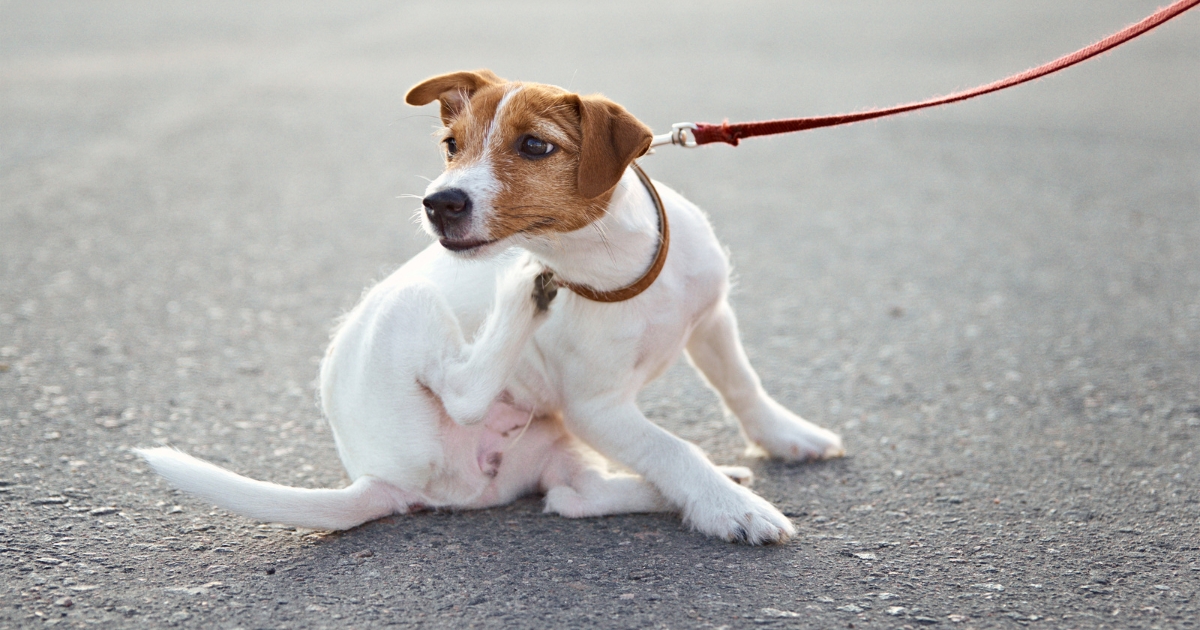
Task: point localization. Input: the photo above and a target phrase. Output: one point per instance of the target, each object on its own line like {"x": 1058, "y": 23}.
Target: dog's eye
{"x": 534, "y": 148}
{"x": 451, "y": 146}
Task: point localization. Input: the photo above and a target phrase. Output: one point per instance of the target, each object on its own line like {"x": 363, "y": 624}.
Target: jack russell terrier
{"x": 540, "y": 204}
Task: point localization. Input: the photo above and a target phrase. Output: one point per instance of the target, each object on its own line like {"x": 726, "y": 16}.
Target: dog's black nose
{"x": 447, "y": 206}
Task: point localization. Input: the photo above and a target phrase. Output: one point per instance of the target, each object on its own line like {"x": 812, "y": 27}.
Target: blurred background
{"x": 995, "y": 300}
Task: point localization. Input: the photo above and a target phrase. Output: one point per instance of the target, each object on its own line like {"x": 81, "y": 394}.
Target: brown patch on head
{"x": 594, "y": 140}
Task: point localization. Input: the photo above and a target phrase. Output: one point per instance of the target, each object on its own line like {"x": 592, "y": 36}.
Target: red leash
{"x": 695, "y": 134}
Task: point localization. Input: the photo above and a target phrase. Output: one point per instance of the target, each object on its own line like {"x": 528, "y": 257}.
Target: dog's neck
{"x": 614, "y": 250}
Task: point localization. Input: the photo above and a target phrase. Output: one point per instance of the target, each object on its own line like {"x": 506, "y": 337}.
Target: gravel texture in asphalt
{"x": 996, "y": 304}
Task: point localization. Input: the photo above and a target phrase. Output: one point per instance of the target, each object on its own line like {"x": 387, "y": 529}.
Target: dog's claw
{"x": 544, "y": 290}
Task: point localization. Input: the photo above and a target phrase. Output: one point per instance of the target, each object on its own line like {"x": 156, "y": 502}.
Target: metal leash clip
{"x": 682, "y": 134}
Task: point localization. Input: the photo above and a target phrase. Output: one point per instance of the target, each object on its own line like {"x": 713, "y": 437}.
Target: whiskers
{"x": 418, "y": 213}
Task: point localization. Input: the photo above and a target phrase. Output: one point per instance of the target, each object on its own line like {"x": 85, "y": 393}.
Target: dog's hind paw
{"x": 524, "y": 286}
{"x": 565, "y": 501}
{"x": 545, "y": 288}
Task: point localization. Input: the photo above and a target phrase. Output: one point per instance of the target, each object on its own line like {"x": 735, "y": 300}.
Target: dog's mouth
{"x": 464, "y": 245}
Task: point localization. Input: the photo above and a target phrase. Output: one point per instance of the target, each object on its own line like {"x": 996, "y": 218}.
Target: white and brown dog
{"x": 536, "y": 179}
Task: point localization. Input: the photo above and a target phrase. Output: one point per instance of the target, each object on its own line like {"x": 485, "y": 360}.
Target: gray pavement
{"x": 997, "y": 305}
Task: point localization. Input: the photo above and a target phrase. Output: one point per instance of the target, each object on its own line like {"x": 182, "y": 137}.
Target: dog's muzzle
{"x": 449, "y": 212}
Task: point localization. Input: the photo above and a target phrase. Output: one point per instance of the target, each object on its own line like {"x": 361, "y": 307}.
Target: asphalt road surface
{"x": 997, "y": 304}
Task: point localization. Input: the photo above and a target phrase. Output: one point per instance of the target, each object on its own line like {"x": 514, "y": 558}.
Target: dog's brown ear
{"x": 453, "y": 90}
{"x": 611, "y": 139}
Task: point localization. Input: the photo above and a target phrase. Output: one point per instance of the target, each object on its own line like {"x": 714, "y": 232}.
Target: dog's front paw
{"x": 786, "y": 436}
{"x": 545, "y": 288}
{"x": 740, "y": 516}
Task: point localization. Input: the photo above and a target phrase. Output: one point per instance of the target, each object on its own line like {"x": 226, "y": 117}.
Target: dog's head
{"x": 522, "y": 159}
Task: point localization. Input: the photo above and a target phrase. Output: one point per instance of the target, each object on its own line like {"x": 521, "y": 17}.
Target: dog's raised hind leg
{"x": 716, "y": 350}
{"x": 468, "y": 378}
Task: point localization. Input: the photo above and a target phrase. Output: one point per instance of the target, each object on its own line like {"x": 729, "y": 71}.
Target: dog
{"x": 554, "y": 251}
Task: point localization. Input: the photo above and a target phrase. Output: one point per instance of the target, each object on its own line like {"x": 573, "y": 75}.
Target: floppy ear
{"x": 453, "y": 90}
{"x": 611, "y": 139}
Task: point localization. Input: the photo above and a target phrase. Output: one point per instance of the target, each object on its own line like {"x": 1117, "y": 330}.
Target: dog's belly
{"x": 492, "y": 462}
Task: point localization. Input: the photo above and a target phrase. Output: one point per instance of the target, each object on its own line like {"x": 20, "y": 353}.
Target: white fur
{"x": 417, "y": 412}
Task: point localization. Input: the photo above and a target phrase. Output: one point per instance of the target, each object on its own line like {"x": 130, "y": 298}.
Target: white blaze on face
{"x": 494, "y": 134}
{"x": 476, "y": 177}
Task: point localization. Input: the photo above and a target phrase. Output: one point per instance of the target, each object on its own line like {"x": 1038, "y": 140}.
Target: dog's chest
{"x": 587, "y": 349}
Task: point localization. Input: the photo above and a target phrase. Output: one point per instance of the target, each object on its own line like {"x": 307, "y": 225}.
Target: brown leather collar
{"x": 641, "y": 284}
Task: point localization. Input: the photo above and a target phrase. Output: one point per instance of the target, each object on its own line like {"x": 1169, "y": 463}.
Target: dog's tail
{"x": 367, "y": 499}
